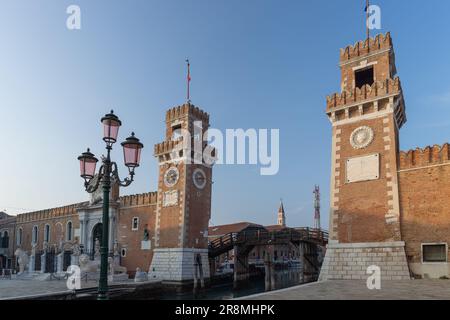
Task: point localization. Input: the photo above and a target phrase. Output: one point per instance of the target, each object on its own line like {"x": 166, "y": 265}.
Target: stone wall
{"x": 350, "y": 261}
{"x": 177, "y": 264}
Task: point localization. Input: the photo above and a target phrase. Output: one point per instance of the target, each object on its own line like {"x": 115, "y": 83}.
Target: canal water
{"x": 279, "y": 280}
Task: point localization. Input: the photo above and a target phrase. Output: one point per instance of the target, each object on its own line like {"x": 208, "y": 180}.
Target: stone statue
{"x": 116, "y": 249}
{"x": 97, "y": 248}
{"x": 45, "y": 246}
{"x": 76, "y": 250}
{"x": 22, "y": 260}
{"x": 86, "y": 265}
{"x": 97, "y": 195}
{"x": 146, "y": 233}
{"x": 33, "y": 249}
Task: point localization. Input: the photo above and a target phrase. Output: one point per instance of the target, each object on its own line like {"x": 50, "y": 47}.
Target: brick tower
{"x": 184, "y": 196}
{"x": 364, "y": 197}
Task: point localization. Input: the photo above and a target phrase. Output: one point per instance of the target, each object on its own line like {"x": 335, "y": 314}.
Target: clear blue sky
{"x": 255, "y": 64}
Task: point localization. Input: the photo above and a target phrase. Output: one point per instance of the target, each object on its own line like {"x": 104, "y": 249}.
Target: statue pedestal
{"x": 94, "y": 276}
{"x": 118, "y": 277}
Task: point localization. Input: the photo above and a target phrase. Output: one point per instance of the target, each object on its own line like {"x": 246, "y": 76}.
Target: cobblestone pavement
{"x": 357, "y": 290}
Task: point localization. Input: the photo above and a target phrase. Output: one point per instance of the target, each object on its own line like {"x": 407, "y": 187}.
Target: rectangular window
{"x": 363, "y": 77}
{"x": 135, "y": 224}
{"x": 434, "y": 252}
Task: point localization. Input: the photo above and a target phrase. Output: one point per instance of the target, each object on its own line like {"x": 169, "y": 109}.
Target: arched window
{"x": 19, "y": 236}
{"x": 34, "y": 238}
{"x": 69, "y": 231}
{"x": 47, "y": 233}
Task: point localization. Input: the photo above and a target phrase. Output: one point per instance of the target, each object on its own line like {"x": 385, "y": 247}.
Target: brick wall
{"x": 362, "y": 206}
{"x": 56, "y": 218}
{"x": 142, "y": 207}
{"x": 424, "y": 184}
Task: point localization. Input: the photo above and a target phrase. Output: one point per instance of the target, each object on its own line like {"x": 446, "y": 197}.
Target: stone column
{"x": 43, "y": 260}
{"x": 240, "y": 267}
{"x": 31, "y": 263}
{"x": 82, "y": 231}
{"x": 112, "y": 227}
{"x": 268, "y": 268}
{"x": 75, "y": 259}
{"x": 59, "y": 262}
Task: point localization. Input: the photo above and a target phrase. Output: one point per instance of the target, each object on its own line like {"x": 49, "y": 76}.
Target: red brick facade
{"x": 382, "y": 199}
{"x": 183, "y": 225}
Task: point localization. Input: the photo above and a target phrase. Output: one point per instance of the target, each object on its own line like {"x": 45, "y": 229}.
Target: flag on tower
{"x": 188, "y": 79}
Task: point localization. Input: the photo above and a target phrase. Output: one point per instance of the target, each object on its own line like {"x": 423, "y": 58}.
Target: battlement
{"x": 362, "y": 48}
{"x": 49, "y": 213}
{"x": 139, "y": 199}
{"x": 8, "y": 220}
{"x": 377, "y": 89}
{"x": 185, "y": 110}
{"x": 424, "y": 157}
{"x": 166, "y": 146}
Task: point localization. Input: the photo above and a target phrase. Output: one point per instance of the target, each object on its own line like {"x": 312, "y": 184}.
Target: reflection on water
{"x": 279, "y": 279}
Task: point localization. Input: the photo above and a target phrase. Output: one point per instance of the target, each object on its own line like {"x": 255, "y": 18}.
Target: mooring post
{"x": 195, "y": 274}
{"x": 200, "y": 270}
{"x": 267, "y": 269}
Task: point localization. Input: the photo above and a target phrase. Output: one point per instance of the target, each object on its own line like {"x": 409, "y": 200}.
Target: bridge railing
{"x": 264, "y": 236}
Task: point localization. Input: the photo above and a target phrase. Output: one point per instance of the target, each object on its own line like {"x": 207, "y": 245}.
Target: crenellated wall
{"x": 380, "y": 42}
{"x": 49, "y": 213}
{"x": 377, "y": 90}
{"x": 185, "y": 110}
{"x": 428, "y": 156}
{"x": 165, "y": 147}
{"x": 138, "y": 199}
{"x": 56, "y": 218}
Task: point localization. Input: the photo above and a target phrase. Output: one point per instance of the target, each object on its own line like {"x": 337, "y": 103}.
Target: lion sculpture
{"x": 86, "y": 265}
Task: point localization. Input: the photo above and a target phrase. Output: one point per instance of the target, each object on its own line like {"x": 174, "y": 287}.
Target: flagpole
{"x": 367, "y": 24}
{"x": 188, "y": 80}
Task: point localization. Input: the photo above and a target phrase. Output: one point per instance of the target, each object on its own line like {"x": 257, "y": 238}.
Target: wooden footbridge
{"x": 311, "y": 243}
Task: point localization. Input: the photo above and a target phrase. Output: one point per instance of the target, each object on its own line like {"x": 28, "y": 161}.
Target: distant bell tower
{"x": 184, "y": 196}
{"x": 366, "y": 117}
{"x": 281, "y": 221}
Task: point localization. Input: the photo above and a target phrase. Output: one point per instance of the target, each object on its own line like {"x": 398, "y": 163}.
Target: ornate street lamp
{"x": 108, "y": 171}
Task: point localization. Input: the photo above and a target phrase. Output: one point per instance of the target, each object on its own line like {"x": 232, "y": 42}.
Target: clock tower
{"x": 366, "y": 117}
{"x": 184, "y": 197}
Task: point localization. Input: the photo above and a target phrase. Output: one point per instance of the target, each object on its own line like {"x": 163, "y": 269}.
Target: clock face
{"x": 199, "y": 178}
{"x": 171, "y": 177}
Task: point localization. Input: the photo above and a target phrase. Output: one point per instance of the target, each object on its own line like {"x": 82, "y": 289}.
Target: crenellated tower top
{"x": 369, "y": 85}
